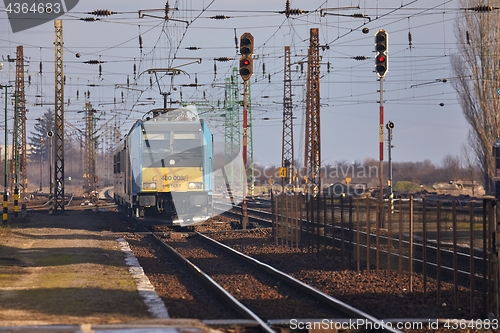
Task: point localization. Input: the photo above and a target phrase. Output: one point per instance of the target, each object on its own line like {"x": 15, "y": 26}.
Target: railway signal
{"x": 246, "y": 60}
{"x": 381, "y": 67}
{"x": 390, "y": 125}
{"x": 246, "y": 70}
{"x": 246, "y": 67}
{"x": 381, "y": 59}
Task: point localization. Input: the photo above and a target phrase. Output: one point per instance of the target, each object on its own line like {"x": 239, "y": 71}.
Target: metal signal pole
{"x": 381, "y": 140}
{"x": 390, "y": 126}
{"x": 381, "y": 67}
{"x": 381, "y": 153}
{"x": 246, "y": 71}
{"x": 244, "y": 210}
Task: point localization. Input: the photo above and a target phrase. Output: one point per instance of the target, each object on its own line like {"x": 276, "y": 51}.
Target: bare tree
{"x": 475, "y": 68}
{"x": 469, "y": 165}
{"x": 452, "y": 167}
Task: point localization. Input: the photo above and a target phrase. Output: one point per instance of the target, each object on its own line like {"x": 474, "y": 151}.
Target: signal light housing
{"x": 381, "y": 65}
{"x": 246, "y": 67}
{"x": 246, "y": 60}
{"x": 246, "y": 44}
{"x": 381, "y": 47}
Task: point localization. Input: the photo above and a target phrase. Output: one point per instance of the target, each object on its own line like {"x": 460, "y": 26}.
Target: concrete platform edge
{"x": 146, "y": 290}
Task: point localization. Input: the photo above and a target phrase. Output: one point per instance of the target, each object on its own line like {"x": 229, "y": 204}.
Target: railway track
{"x": 256, "y": 216}
{"x": 455, "y": 262}
{"x": 263, "y": 298}
{"x": 257, "y": 243}
{"x": 447, "y": 255}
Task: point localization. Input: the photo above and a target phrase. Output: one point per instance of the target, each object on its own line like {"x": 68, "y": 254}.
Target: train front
{"x": 176, "y": 174}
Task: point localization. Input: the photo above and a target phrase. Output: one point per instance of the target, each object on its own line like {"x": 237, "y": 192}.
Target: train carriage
{"x": 163, "y": 168}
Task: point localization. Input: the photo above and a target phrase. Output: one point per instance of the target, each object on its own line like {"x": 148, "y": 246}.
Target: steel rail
{"x": 446, "y": 269}
{"x": 226, "y": 296}
{"x": 319, "y": 295}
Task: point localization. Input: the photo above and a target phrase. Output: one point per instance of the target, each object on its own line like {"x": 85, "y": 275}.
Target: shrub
{"x": 406, "y": 186}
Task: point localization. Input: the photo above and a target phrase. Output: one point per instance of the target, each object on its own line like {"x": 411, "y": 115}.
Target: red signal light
{"x": 381, "y": 58}
{"x": 246, "y": 67}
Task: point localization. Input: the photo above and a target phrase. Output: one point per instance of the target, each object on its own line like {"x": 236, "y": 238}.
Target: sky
{"x": 418, "y": 94}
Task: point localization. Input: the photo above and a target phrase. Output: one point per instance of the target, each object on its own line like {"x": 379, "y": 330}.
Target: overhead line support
{"x": 19, "y": 135}
{"x": 287, "y": 141}
{"x": 58, "y": 146}
{"x": 312, "y": 160}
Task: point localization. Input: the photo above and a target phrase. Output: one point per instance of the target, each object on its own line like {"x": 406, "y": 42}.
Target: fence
{"x": 443, "y": 241}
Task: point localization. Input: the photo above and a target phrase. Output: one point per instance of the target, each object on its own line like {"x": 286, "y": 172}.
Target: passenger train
{"x": 163, "y": 168}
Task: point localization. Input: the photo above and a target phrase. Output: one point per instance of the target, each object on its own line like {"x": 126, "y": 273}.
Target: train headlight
{"x": 149, "y": 186}
{"x": 195, "y": 185}
{"x": 171, "y": 162}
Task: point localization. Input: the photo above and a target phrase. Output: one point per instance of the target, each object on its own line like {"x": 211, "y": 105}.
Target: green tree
{"x": 38, "y": 138}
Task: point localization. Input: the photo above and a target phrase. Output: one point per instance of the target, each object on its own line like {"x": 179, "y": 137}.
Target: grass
{"x": 8, "y": 279}
{"x": 64, "y": 277}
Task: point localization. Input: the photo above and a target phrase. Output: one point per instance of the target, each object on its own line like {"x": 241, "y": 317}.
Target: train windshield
{"x": 168, "y": 146}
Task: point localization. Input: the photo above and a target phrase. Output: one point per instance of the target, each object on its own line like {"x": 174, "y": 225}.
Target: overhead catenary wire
{"x": 291, "y": 27}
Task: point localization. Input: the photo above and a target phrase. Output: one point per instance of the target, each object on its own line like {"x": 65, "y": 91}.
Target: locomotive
{"x": 163, "y": 168}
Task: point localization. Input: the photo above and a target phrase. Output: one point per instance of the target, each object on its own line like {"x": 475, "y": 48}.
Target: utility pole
{"x": 15, "y": 159}
{"x": 287, "y": 157}
{"x": 40, "y": 149}
{"x": 90, "y": 144}
{"x": 20, "y": 127}
{"x": 41, "y": 144}
{"x": 5, "y": 196}
{"x": 58, "y": 198}
{"x": 50, "y": 138}
{"x": 312, "y": 160}
{"x": 18, "y": 162}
